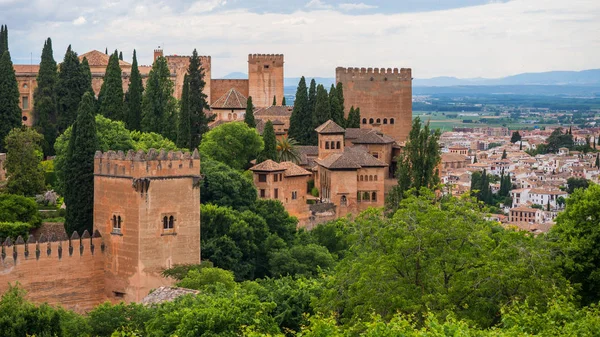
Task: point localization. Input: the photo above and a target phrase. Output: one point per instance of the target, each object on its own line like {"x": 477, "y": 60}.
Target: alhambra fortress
{"x": 146, "y": 204}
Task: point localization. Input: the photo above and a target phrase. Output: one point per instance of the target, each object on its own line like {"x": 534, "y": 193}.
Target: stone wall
{"x": 220, "y": 87}
{"x": 178, "y": 65}
{"x": 265, "y": 77}
{"x": 2, "y": 168}
{"x": 382, "y": 95}
{"x": 69, "y": 272}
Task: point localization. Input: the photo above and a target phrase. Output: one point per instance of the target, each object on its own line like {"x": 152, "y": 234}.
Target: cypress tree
{"x": 79, "y": 194}
{"x": 339, "y": 89}
{"x": 198, "y": 101}
{"x": 106, "y": 51}
{"x": 69, "y": 90}
{"x": 312, "y": 97}
{"x": 3, "y": 47}
{"x": 504, "y": 154}
{"x": 274, "y": 100}
{"x": 184, "y": 137}
{"x": 110, "y": 99}
{"x": 349, "y": 121}
{"x": 87, "y": 78}
{"x": 10, "y": 112}
{"x": 283, "y": 102}
{"x": 121, "y": 55}
{"x": 322, "y": 107}
{"x": 249, "y": 116}
{"x": 356, "y": 119}
{"x": 158, "y": 103}
{"x": 474, "y": 159}
{"x": 133, "y": 97}
{"x": 300, "y": 117}
{"x": 521, "y": 146}
{"x": 597, "y": 160}
{"x": 44, "y": 98}
{"x": 270, "y": 149}
{"x": 337, "y": 113}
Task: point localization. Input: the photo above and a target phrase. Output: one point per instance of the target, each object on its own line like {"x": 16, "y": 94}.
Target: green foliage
{"x": 555, "y": 141}
{"x": 233, "y": 144}
{"x": 197, "y": 101}
{"x": 3, "y": 39}
{"x": 353, "y": 118}
{"x": 339, "y": 89}
{"x": 504, "y": 154}
{"x": 158, "y": 104}
{"x": 184, "y": 119}
{"x": 283, "y": 101}
{"x": 25, "y": 173}
{"x": 79, "y": 182}
{"x": 249, "y": 115}
{"x": 179, "y": 271}
{"x": 322, "y": 112}
{"x": 576, "y": 230}
{"x": 270, "y": 144}
{"x": 274, "y": 100}
{"x": 287, "y": 150}
{"x": 10, "y": 112}
{"x": 417, "y": 163}
{"x": 299, "y": 128}
{"x": 208, "y": 278}
{"x": 14, "y": 229}
{"x": 480, "y": 187}
{"x": 133, "y": 98}
{"x": 150, "y": 140}
{"x": 70, "y": 87}
{"x": 224, "y": 186}
{"x": 302, "y": 260}
{"x": 44, "y": 99}
{"x": 19, "y": 209}
{"x": 574, "y": 183}
{"x": 87, "y": 77}
{"x": 336, "y": 108}
{"x": 107, "y": 318}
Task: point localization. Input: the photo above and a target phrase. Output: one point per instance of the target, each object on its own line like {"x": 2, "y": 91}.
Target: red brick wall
{"x": 220, "y": 87}
{"x": 265, "y": 77}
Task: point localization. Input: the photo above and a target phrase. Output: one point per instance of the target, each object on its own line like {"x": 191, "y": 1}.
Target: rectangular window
{"x": 276, "y": 178}
{"x": 294, "y": 195}
{"x": 266, "y": 66}
{"x": 262, "y": 193}
{"x": 25, "y": 102}
{"x": 276, "y": 193}
{"x": 262, "y": 178}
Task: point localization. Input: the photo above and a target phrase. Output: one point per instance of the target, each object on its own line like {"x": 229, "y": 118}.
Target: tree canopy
{"x": 10, "y": 111}
{"x": 233, "y": 144}
{"x": 25, "y": 173}
{"x": 110, "y": 99}
{"x": 44, "y": 97}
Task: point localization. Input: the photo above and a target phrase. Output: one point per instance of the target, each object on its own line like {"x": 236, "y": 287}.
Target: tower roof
{"x": 232, "y": 99}
{"x": 351, "y": 158}
{"x": 268, "y": 166}
{"x": 330, "y": 127}
{"x": 97, "y": 58}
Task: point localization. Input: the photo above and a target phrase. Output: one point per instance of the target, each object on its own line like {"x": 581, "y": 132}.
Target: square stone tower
{"x": 147, "y": 208}
{"x": 265, "y": 79}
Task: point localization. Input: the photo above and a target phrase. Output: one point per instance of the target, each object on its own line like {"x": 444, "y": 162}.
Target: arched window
{"x": 364, "y": 121}
{"x": 234, "y": 116}
{"x": 366, "y": 196}
{"x": 165, "y": 222}
{"x": 378, "y": 121}
{"x": 370, "y": 178}
{"x": 375, "y": 177}
{"x": 229, "y": 116}
{"x": 385, "y": 121}
{"x": 374, "y": 196}
{"x": 391, "y": 121}
{"x": 114, "y": 222}
{"x": 362, "y": 178}
{"x": 343, "y": 200}
{"x": 171, "y": 222}
{"x": 337, "y": 145}
{"x": 119, "y": 222}
{"x": 326, "y": 145}
{"x": 370, "y": 120}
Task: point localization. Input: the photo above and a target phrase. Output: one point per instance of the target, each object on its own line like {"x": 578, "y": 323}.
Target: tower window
{"x": 262, "y": 193}
{"x": 364, "y": 121}
{"x": 370, "y": 120}
{"x": 385, "y": 121}
{"x": 337, "y": 145}
{"x": 171, "y": 222}
{"x": 116, "y": 224}
{"x": 343, "y": 200}
{"x": 276, "y": 193}
{"x": 374, "y": 196}
{"x": 165, "y": 222}
{"x": 168, "y": 224}
{"x": 326, "y": 145}
{"x": 266, "y": 66}
{"x": 391, "y": 121}
{"x": 378, "y": 121}
{"x": 25, "y": 100}
{"x": 262, "y": 178}
{"x": 294, "y": 195}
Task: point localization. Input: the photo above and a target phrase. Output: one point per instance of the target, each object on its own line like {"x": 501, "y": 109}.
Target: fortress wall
{"x": 265, "y": 78}
{"x": 220, "y": 87}
{"x": 178, "y": 65}
{"x": 380, "y": 93}
{"x": 69, "y": 272}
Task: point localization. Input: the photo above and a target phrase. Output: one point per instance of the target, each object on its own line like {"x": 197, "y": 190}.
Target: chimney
{"x": 158, "y": 53}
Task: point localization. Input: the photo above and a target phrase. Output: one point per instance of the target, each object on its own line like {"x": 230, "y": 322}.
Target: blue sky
{"x": 462, "y": 38}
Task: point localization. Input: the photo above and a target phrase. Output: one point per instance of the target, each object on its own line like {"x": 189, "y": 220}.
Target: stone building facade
{"x": 384, "y": 97}
{"x": 146, "y": 219}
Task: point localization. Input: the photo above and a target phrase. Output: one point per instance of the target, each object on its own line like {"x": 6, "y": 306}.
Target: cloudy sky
{"x": 462, "y": 38}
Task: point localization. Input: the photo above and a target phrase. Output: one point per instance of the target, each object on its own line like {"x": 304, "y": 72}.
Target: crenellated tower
{"x": 265, "y": 79}
{"x": 384, "y": 97}
{"x": 147, "y": 208}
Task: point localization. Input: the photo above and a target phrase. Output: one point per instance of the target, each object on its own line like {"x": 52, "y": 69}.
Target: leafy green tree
{"x": 107, "y": 318}
{"x": 287, "y": 150}
{"x": 198, "y": 103}
{"x": 79, "y": 191}
{"x": 44, "y": 98}
{"x": 278, "y": 220}
{"x": 516, "y": 136}
{"x": 19, "y": 209}
{"x": 337, "y": 111}
{"x": 417, "y": 163}
{"x": 69, "y": 89}
{"x": 25, "y": 174}
{"x": 110, "y": 99}
{"x": 300, "y": 115}
{"x": 233, "y": 144}
{"x": 158, "y": 104}
{"x": 270, "y": 144}
{"x": 184, "y": 119}
{"x": 224, "y": 186}
{"x": 574, "y": 183}
{"x": 148, "y": 140}
{"x": 557, "y": 139}
{"x": 10, "y": 112}
{"x": 576, "y": 231}
{"x": 208, "y": 277}
{"x": 322, "y": 111}
{"x": 249, "y": 116}
{"x": 133, "y": 97}
{"x": 303, "y": 260}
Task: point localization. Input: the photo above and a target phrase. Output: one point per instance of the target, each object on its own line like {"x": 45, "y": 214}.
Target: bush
{"x": 14, "y": 229}
{"x": 16, "y": 208}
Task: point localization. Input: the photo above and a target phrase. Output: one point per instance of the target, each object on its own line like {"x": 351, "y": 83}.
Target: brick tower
{"x": 147, "y": 208}
{"x": 384, "y": 97}
{"x": 265, "y": 79}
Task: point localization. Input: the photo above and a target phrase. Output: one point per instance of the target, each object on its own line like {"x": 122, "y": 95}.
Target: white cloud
{"x": 79, "y": 21}
{"x": 317, "y": 4}
{"x": 352, "y": 6}
{"x": 204, "y": 6}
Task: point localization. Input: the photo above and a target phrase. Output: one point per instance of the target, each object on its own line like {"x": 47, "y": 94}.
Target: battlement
{"x": 50, "y": 247}
{"x": 187, "y": 57}
{"x": 265, "y": 57}
{"x": 376, "y": 73}
{"x": 157, "y": 164}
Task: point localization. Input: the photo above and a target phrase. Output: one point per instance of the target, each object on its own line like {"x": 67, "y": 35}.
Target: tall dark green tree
{"x": 270, "y": 149}
{"x": 110, "y": 99}
{"x": 133, "y": 97}
{"x": 198, "y": 103}
{"x": 249, "y": 116}
{"x": 516, "y": 136}
{"x": 284, "y": 104}
{"x": 312, "y": 97}
{"x": 158, "y": 104}
{"x": 184, "y": 136}
{"x": 10, "y": 112}
{"x": 353, "y": 120}
{"x": 121, "y": 55}
{"x": 417, "y": 163}
{"x": 69, "y": 90}
{"x": 79, "y": 194}
{"x": 3, "y": 39}
{"x": 23, "y": 163}
{"x": 339, "y": 89}
{"x": 322, "y": 112}
{"x": 337, "y": 112}
{"x": 274, "y": 100}
{"x": 504, "y": 154}
{"x": 87, "y": 77}
{"x": 44, "y": 98}
{"x": 300, "y": 115}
